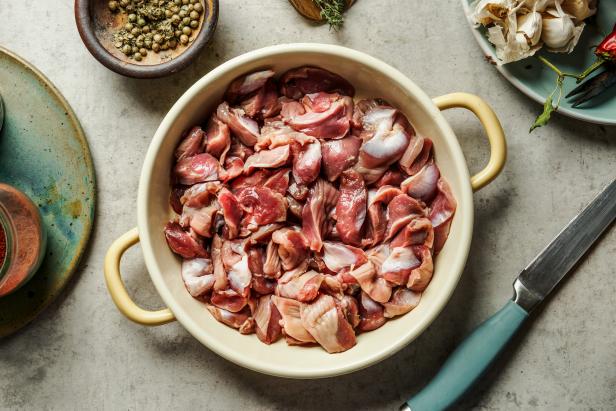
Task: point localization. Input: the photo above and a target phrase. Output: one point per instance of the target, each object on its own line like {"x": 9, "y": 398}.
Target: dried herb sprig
{"x": 332, "y": 12}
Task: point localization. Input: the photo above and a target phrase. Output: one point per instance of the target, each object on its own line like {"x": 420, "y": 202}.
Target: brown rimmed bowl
{"x": 97, "y": 24}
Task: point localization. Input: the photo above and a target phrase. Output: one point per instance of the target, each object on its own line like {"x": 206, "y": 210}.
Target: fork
{"x": 593, "y": 87}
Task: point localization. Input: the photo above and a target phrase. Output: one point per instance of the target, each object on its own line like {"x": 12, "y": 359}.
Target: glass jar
{"x": 25, "y": 238}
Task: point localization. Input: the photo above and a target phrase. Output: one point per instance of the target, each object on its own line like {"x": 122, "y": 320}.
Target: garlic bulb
{"x": 518, "y": 28}
{"x": 530, "y": 25}
{"x": 579, "y": 9}
{"x": 559, "y": 33}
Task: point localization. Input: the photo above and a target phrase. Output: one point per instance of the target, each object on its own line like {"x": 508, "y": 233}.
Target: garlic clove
{"x": 486, "y": 12}
{"x": 538, "y": 5}
{"x": 509, "y": 44}
{"x": 530, "y": 26}
{"x": 559, "y": 33}
{"x": 573, "y": 40}
{"x": 579, "y": 9}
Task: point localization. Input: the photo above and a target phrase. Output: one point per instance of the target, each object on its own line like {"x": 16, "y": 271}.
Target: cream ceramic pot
{"x": 371, "y": 77}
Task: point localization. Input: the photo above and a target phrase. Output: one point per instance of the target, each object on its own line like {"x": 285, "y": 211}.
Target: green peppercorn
{"x": 156, "y": 24}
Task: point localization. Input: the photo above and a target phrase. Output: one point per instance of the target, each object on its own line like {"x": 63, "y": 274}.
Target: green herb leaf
{"x": 543, "y": 118}
{"x": 548, "y": 106}
{"x": 332, "y": 12}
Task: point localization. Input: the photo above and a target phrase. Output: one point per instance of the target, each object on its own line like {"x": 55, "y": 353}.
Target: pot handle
{"x": 116, "y": 287}
{"x": 493, "y": 128}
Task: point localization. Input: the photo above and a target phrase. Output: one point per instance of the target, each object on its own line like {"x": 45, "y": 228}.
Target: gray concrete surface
{"x": 82, "y": 354}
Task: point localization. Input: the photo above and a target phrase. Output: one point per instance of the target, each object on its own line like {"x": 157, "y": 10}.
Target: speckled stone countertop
{"x": 82, "y": 354}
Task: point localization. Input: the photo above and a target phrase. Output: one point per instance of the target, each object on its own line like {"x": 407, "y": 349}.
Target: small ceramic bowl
{"x": 371, "y": 78}
{"x": 97, "y": 25}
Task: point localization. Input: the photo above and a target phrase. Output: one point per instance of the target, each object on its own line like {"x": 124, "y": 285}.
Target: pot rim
{"x": 458, "y": 260}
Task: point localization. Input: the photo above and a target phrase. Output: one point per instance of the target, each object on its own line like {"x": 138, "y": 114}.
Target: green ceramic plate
{"x": 537, "y": 82}
{"x": 44, "y": 152}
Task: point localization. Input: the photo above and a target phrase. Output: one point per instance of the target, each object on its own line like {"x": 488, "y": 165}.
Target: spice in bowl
{"x": 22, "y": 239}
{"x": 155, "y": 25}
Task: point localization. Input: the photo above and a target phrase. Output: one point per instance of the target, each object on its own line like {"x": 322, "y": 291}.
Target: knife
{"x": 472, "y": 358}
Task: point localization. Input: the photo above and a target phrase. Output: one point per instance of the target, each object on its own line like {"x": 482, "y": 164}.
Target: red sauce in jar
{"x": 2, "y": 245}
{"x": 22, "y": 239}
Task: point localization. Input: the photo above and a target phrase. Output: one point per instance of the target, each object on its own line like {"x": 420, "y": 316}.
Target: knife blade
{"x": 475, "y": 354}
{"x": 542, "y": 275}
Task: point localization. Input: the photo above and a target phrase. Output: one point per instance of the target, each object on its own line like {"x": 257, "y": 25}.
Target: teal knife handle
{"x": 469, "y": 360}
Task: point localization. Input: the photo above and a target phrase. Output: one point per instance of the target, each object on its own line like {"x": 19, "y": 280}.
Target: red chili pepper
{"x": 606, "y": 50}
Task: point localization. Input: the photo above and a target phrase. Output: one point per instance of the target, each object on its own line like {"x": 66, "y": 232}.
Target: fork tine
{"x": 590, "y": 83}
{"x": 593, "y": 87}
{"x": 583, "y": 98}
{"x": 582, "y": 87}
